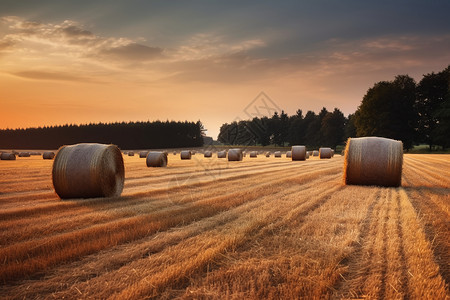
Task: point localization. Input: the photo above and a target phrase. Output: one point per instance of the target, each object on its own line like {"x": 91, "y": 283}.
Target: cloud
{"x": 133, "y": 51}
{"x": 69, "y": 38}
{"x": 45, "y": 75}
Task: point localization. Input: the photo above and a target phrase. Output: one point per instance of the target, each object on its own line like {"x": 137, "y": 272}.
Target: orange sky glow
{"x": 69, "y": 71}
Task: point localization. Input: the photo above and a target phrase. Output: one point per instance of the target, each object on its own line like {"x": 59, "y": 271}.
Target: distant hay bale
{"x": 315, "y": 153}
{"x": 24, "y": 154}
{"x": 130, "y": 153}
{"x": 277, "y": 154}
{"x": 332, "y": 152}
{"x": 289, "y": 154}
{"x": 48, "y": 155}
{"x": 235, "y": 155}
{"x": 268, "y": 154}
{"x": 174, "y": 153}
{"x": 253, "y": 154}
{"x": 325, "y": 152}
{"x": 7, "y": 156}
{"x": 298, "y": 152}
{"x": 156, "y": 159}
{"x": 373, "y": 161}
{"x": 88, "y": 171}
{"x": 143, "y": 154}
{"x": 222, "y": 154}
{"x": 307, "y": 155}
{"x": 185, "y": 154}
{"x": 207, "y": 154}
{"x": 193, "y": 152}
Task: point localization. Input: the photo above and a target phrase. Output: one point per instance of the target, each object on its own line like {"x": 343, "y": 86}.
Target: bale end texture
{"x": 373, "y": 161}
{"x": 88, "y": 171}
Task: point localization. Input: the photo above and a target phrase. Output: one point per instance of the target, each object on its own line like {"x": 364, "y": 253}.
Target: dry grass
{"x": 284, "y": 230}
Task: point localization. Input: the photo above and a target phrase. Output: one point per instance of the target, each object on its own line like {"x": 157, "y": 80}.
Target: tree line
{"x": 131, "y": 135}
{"x": 401, "y": 109}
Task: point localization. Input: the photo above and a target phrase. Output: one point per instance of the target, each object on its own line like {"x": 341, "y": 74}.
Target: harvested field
{"x": 261, "y": 228}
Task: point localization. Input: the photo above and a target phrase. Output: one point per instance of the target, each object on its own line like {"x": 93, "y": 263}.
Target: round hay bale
{"x": 307, "y": 155}
{"x": 315, "y": 153}
{"x": 174, "y": 153}
{"x": 235, "y": 155}
{"x": 289, "y": 154}
{"x": 207, "y": 154}
{"x": 332, "y": 152}
{"x": 88, "y": 171}
{"x": 185, "y": 154}
{"x": 373, "y": 161}
{"x": 193, "y": 152}
{"x": 156, "y": 159}
{"x": 24, "y": 154}
{"x": 143, "y": 154}
{"x": 253, "y": 154}
{"x": 7, "y": 156}
{"x": 222, "y": 154}
{"x": 277, "y": 154}
{"x": 325, "y": 152}
{"x": 130, "y": 153}
{"x": 48, "y": 155}
{"x": 298, "y": 152}
{"x": 268, "y": 154}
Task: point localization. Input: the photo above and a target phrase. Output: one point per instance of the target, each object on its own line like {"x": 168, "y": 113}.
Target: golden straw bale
{"x": 143, "y": 154}
{"x": 130, "y": 153}
{"x": 253, "y": 154}
{"x": 185, "y": 154}
{"x": 7, "y": 156}
{"x": 307, "y": 155}
{"x": 235, "y": 155}
{"x": 325, "y": 152}
{"x": 156, "y": 159}
{"x": 298, "y": 152}
{"x": 88, "y": 170}
{"x": 289, "y": 154}
{"x": 48, "y": 155}
{"x": 373, "y": 161}
{"x": 277, "y": 154}
{"x": 24, "y": 154}
{"x": 268, "y": 154}
{"x": 315, "y": 153}
{"x": 222, "y": 154}
{"x": 207, "y": 154}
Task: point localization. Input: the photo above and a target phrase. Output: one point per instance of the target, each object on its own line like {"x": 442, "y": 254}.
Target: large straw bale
{"x": 298, "y": 152}
{"x": 48, "y": 155}
{"x": 222, "y": 154}
{"x": 156, "y": 159}
{"x": 235, "y": 155}
{"x": 7, "y": 156}
{"x": 185, "y": 154}
{"x": 88, "y": 170}
{"x": 143, "y": 154}
{"x": 373, "y": 161}
{"x": 325, "y": 152}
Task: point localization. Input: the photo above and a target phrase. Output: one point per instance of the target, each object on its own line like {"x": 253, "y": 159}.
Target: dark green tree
{"x": 432, "y": 100}
{"x": 387, "y": 110}
{"x": 333, "y": 128}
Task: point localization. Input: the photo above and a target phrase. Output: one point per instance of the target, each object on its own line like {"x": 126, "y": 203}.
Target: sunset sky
{"x": 95, "y": 61}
